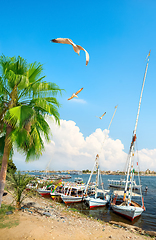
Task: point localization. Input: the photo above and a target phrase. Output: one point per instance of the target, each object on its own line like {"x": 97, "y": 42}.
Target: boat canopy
{"x": 121, "y": 193}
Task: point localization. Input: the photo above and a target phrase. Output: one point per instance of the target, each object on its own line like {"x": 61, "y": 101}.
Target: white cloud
{"x": 147, "y": 159}
{"x": 68, "y": 149}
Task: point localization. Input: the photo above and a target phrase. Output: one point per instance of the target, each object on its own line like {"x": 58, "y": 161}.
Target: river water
{"x": 146, "y": 221}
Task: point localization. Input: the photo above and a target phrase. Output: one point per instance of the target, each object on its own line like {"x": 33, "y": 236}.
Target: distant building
{"x": 147, "y": 171}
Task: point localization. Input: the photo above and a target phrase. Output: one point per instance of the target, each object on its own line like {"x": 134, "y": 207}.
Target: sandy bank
{"x": 61, "y": 224}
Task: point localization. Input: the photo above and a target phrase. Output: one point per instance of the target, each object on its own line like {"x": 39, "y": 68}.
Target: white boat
{"x": 121, "y": 184}
{"x": 44, "y": 192}
{"x": 127, "y": 207}
{"x": 100, "y": 197}
{"x": 31, "y": 186}
{"x": 73, "y": 194}
{"x": 101, "y": 200}
{"x": 129, "y": 211}
{"x": 71, "y": 199}
{"x": 97, "y": 197}
{"x": 78, "y": 180}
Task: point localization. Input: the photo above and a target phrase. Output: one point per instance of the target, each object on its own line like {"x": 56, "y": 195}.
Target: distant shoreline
{"x": 103, "y": 173}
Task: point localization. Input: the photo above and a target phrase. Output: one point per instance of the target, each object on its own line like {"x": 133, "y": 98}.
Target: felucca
{"x": 128, "y": 208}
{"x": 98, "y": 197}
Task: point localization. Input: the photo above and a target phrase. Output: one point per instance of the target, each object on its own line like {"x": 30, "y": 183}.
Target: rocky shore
{"x": 44, "y": 219}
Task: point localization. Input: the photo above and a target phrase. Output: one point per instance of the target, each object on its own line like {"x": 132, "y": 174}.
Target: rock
{"x": 47, "y": 214}
{"x": 113, "y": 222}
{"x": 142, "y": 232}
{"x": 137, "y": 228}
{"x": 151, "y": 233}
{"x": 9, "y": 212}
{"x": 4, "y": 194}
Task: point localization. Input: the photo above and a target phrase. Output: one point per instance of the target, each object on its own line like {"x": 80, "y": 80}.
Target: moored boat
{"x": 128, "y": 208}
{"x": 78, "y": 180}
{"x": 121, "y": 184}
{"x": 101, "y": 200}
{"x": 73, "y": 194}
{"x": 44, "y": 192}
{"x": 98, "y": 197}
{"x": 129, "y": 211}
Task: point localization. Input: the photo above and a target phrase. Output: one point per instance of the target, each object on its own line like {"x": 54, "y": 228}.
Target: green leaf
{"x": 20, "y": 115}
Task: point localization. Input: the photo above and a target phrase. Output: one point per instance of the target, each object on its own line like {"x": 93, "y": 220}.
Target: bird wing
{"x": 70, "y": 97}
{"x": 66, "y": 41}
{"x": 63, "y": 40}
{"x": 103, "y": 114}
{"x": 76, "y": 48}
{"x": 78, "y": 91}
{"x": 87, "y": 54}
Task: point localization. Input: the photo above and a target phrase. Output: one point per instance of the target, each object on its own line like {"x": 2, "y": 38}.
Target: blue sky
{"x": 117, "y": 35}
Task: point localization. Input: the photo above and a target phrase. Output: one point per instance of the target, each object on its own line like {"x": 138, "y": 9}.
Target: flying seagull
{"x": 76, "y": 48}
{"x": 102, "y": 116}
{"x": 75, "y": 94}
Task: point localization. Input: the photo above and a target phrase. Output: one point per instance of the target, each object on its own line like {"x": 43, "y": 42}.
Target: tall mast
{"x": 131, "y": 153}
{"x": 112, "y": 117}
{"x": 136, "y": 124}
{"x": 95, "y": 164}
{"x": 97, "y": 175}
{"x": 97, "y": 158}
{"x": 109, "y": 126}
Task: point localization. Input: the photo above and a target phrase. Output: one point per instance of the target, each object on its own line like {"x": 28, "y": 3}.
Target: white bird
{"x": 75, "y": 94}
{"x": 101, "y": 116}
{"x": 76, "y": 48}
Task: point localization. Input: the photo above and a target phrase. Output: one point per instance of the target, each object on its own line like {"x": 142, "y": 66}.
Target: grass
{"x": 73, "y": 209}
{"x": 5, "y": 208}
{"x": 7, "y": 221}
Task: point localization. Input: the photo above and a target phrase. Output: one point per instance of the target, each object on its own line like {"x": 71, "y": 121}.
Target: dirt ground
{"x": 61, "y": 224}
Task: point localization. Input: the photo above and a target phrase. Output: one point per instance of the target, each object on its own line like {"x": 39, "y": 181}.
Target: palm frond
{"x": 19, "y": 115}
{"x": 18, "y": 183}
{"x": 25, "y": 101}
{"x": 29, "y": 90}
{"x": 34, "y": 72}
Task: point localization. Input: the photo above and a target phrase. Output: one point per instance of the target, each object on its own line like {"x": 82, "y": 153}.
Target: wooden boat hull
{"x": 71, "y": 199}
{"x": 44, "y": 192}
{"x": 95, "y": 202}
{"x": 129, "y": 212}
{"x": 123, "y": 187}
{"x": 56, "y": 196}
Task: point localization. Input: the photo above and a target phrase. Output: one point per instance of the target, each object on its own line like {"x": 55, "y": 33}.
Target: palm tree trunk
{"x": 7, "y": 149}
{"x": 18, "y": 205}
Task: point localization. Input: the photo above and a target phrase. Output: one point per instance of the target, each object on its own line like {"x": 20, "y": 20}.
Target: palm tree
{"x": 17, "y": 183}
{"x": 25, "y": 101}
